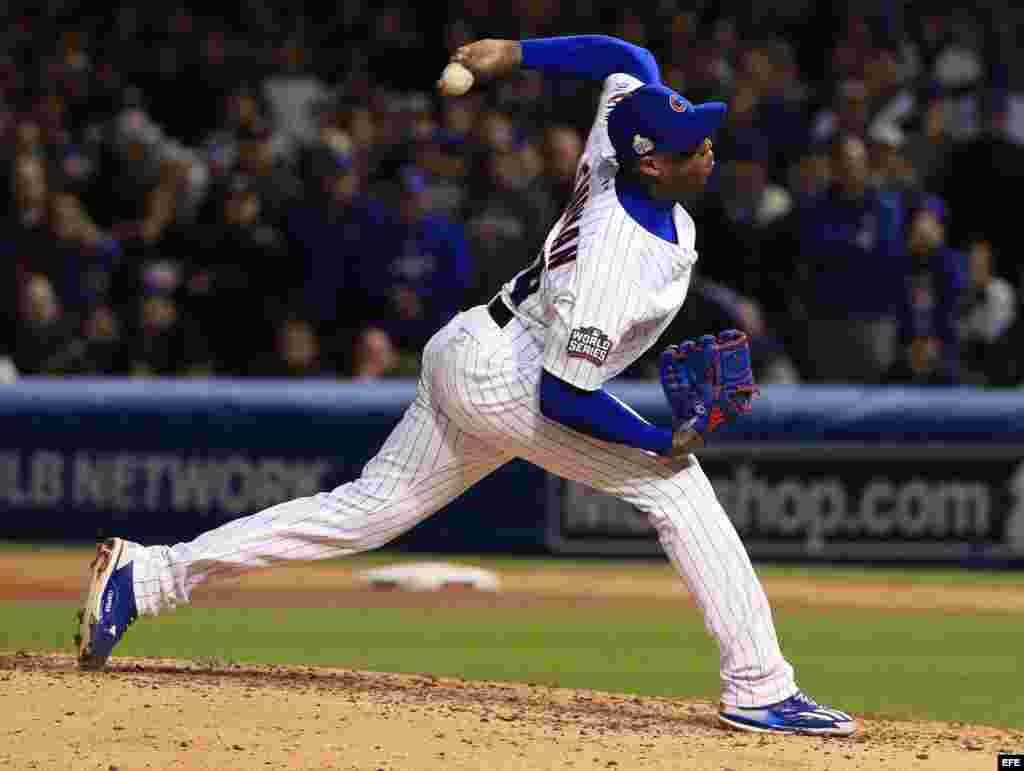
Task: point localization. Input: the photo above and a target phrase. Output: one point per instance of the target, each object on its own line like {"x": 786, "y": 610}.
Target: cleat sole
{"x": 107, "y": 555}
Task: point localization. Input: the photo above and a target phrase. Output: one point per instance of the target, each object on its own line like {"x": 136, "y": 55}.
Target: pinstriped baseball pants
{"x": 477, "y": 408}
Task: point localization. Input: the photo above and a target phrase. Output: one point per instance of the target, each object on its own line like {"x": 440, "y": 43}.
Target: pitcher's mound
{"x": 161, "y": 713}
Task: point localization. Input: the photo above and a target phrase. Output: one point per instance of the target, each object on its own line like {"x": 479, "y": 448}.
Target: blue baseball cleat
{"x": 109, "y": 606}
{"x": 795, "y": 715}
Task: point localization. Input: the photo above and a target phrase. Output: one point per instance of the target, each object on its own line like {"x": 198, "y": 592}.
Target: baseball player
{"x": 522, "y": 377}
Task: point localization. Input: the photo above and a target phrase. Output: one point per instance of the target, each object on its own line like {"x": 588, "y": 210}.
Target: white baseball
{"x": 456, "y": 80}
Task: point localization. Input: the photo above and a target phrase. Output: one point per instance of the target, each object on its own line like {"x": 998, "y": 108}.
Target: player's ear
{"x": 649, "y": 166}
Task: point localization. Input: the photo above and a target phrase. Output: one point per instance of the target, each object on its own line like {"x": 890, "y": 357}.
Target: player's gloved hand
{"x": 708, "y": 383}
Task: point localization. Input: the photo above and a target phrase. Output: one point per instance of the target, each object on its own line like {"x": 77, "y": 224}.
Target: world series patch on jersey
{"x": 589, "y": 343}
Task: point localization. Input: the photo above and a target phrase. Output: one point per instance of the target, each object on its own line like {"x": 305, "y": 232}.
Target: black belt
{"x": 499, "y": 311}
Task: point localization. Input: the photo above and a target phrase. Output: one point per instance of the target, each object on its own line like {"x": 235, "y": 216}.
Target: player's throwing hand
{"x": 488, "y": 59}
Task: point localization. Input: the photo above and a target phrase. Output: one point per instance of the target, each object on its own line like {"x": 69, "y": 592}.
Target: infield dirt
{"x": 169, "y": 714}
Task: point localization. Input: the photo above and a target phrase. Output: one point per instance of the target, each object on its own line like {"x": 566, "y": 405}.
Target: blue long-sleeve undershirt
{"x": 599, "y": 414}
{"x": 593, "y": 57}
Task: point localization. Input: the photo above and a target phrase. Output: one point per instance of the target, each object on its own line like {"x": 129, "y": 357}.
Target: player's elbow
{"x": 545, "y": 410}
{"x": 556, "y": 398}
{"x": 548, "y": 401}
{"x": 639, "y": 62}
{"x": 623, "y": 56}
{"x": 647, "y": 65}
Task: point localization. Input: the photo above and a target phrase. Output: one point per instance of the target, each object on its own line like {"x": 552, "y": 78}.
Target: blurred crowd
{"x": 281, "y": 193}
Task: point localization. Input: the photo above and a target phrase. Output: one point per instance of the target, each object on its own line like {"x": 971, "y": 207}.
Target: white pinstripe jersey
{"x": 603, "y": 288}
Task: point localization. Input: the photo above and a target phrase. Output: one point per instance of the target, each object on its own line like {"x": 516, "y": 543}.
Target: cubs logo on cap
{"x": 676, "y": 102}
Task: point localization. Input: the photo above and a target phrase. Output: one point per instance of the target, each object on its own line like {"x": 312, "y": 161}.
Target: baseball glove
{"x": 708, "y": 382}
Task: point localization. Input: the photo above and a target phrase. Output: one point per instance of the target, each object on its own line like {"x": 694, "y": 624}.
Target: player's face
{"x": 683, "y": 174}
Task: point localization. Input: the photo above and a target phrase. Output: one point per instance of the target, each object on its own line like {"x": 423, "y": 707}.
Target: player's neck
{"x": 652, "y": 215}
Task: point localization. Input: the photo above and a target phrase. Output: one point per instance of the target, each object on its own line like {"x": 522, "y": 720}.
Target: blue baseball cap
{"x": 655, "y": 119}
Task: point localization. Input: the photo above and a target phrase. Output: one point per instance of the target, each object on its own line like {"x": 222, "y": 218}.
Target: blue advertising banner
{"x": 833, "y": 503}
{"x": 831, "y": 473}
{"x": 163, "y": 461}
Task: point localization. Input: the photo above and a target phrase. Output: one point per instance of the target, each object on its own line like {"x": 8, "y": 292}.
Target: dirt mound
{"x": 163, "y": 714}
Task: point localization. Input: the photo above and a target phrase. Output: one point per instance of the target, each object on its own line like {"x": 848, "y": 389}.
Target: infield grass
{"x": 942, "y": 666}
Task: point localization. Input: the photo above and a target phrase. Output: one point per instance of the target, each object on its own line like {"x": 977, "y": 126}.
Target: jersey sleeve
{"x": 598, "y": 150}
{"x": 590, "y": 317}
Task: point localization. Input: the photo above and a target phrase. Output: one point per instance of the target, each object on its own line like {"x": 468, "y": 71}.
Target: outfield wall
{"x": 817, "y": 473}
